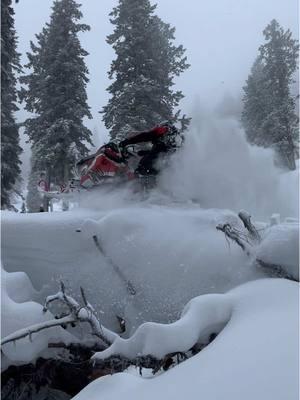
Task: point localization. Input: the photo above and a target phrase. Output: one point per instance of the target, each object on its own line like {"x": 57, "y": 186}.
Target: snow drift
{"x": 255, "y": 356}
{"x": 18, "y": 311}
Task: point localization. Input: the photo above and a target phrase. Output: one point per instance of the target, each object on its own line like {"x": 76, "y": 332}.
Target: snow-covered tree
{"x": 144, "y": 69}
{"x": 255, "y": 104}
{"x": 269, "y": 114}
{"x": 56, "y": 92}
{"x": 10, "y": 148}
{"x": 34, "y": 199}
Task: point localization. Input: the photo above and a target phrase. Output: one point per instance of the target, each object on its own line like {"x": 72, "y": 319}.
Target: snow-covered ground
{"x": 168, "y": 247}
{"x": 254, "y": 357}
{"x": 170, "y": 254}
{"x": 18, "y": 311}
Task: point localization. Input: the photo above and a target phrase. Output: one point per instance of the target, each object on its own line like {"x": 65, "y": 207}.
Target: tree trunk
{"x": 65, "y": 205}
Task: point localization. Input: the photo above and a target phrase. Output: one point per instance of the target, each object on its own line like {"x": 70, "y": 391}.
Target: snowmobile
{"x": 110, "y": 165}
{"x": 113, "y": 165}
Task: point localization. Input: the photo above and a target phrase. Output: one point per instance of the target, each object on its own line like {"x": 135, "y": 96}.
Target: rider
{"x": 164, "y": 138}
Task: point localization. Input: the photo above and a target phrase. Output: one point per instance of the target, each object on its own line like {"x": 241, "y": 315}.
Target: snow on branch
{"x": 202, "y": 317}
{"x": 235, "y": 235}
{"x": 29, "y": 331}
{"x": 251, "y": 242}
{"x": 77, "y": 314}
{"x": 242, "y": 239}
{"x": 253, "y": 232}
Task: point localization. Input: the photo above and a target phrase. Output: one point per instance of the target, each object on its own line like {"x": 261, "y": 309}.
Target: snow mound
{"x": 255, "y": 356}
{"x": 200, "y": 318}
{"x": 18, "y": 312}
{"x": 280, "y": 247}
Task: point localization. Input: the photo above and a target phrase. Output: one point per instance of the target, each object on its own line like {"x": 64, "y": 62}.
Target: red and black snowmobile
{"x": 110, "y": 164}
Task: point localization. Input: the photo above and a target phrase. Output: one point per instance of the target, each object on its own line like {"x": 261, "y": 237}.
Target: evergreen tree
{"x": 10, "y": 148}
{"x": 269, "y": 114}
{"x": 144, "y": 69}
{"x": 34, "y": 198}
{"x": 255, "y": 104}
{"x": 56, "y": 93}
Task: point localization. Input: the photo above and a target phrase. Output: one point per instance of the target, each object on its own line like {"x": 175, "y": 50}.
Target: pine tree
{"x": 255, "y": 105}
{"x": 56, "y": 93}
{"x": 269, "y": 114}
{"x": 34, "y": 198}
{"x": 10, "y": 65}
{"x": 144, "y": 69}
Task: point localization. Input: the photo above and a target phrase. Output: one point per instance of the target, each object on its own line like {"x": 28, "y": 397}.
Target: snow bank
{"x": 280, "y": 246}
{"x": 170, "y": 254}
{"x": 201, "y": 317}
{"x": 18, "y": 312}
{"x": 255, "y": 356}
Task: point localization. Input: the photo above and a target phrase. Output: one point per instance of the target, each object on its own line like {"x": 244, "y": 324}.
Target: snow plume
{"x": 218, "y": 168}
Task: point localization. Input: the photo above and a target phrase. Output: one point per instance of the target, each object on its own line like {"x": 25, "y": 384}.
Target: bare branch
{"x": 233, "y": 234}
{"x": 77, "y": 314}
{"x": 62, "y": 287}
{"x": 83, "y": 296}
{"x": 93, "y": 346}
{"x": 22, "y": 333}
{"x": 246, "y": 219}
{"x": 275, "y": 270}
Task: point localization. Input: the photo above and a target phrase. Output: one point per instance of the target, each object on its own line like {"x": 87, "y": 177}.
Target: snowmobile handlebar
{"x": 128, "y": 152}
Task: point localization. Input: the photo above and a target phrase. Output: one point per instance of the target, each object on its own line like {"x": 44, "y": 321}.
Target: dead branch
{"x": 22, "y": 333}
{"x": 77, "y": 314}
{"x": 234, "y": 235}
{"x": 252, "y": 238}
{"x": 253, "y": 232}
{"x": 89, "y": 346}
{"x": 275, "y": 270}
{"x": 117, "y": 363}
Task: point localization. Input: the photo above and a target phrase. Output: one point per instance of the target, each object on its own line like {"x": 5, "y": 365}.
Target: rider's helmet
{"x": 173, "y": 138}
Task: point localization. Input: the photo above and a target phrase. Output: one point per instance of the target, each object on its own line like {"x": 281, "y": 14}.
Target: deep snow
{"x": 169, "y": 248}
{"x": 254, "y": 357}
{"x": 18, "y": 311}
{"x": 170, "y": 254}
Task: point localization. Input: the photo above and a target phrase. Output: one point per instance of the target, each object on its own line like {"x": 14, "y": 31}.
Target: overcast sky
{"x": 221, "y": 38}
